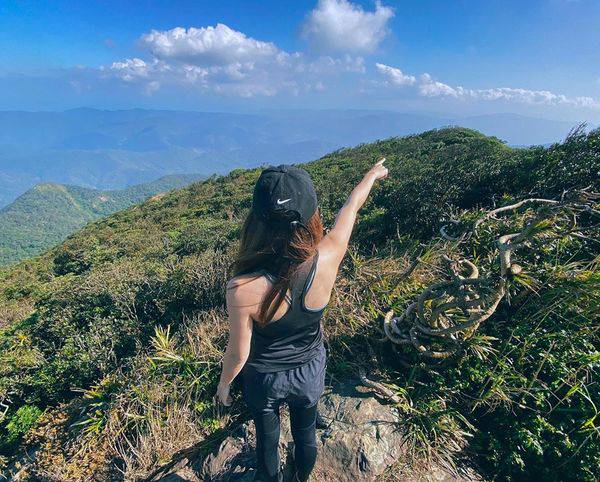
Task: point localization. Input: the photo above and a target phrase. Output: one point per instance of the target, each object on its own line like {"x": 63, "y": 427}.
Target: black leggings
{"x": 303, "y": 422}
{"x": 301, "y": 389}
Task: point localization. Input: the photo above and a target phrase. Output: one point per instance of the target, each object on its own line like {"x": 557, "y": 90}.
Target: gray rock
{"x": 362, "y": 438}
{"x": 361, "y": 441}
{"x": 234, "y": 460}
{"x": 181, "y": 473}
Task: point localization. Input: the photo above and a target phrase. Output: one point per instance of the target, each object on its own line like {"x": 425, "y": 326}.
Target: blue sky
{"x": 536, "y": 57}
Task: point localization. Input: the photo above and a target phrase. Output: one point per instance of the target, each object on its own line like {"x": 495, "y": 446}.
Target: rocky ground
{"x": 361, "y": 440}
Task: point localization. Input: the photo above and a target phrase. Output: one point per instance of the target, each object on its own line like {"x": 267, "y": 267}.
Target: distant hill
{"x": 115, "y": 149}
{"x": 47, "y": 213}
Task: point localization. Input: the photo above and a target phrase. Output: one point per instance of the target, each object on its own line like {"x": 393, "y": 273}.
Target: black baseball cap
{"x": 286, "y": 190}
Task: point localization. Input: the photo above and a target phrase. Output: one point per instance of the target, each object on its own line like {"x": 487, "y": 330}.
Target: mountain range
{"x": 47, "y": 213}
{"x": 102, "y": 149}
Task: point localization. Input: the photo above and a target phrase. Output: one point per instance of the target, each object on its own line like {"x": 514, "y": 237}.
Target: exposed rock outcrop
{"x": 360, "y": 441}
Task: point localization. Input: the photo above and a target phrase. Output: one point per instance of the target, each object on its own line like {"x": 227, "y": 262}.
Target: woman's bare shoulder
{"x": 247, "y": 287}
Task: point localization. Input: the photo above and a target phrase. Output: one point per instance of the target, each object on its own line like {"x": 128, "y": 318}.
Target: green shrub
{"x": 18, "y": 425}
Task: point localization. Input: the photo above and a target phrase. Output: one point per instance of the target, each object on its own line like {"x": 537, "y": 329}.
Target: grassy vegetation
{"x": 47, "y": 213}
{"x": 110, "y": 342}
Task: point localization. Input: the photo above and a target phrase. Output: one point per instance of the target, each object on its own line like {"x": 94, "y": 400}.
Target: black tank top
{"x": 295, "y": 338}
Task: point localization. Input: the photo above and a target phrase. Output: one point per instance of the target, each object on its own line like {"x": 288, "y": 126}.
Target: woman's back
{"x": 294, "y": 337}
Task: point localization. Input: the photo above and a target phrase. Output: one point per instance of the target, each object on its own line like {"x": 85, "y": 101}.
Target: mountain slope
{"x": 111, "y": 341}
{"x": 48, "y": 213}
{"x": 114, "y": 149}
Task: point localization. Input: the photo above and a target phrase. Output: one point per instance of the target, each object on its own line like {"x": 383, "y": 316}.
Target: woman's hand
{"x": 378, "y": 171}
{"x": 223, "y": 396}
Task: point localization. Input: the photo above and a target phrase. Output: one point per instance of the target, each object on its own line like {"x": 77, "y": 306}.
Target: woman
{"x": 284, "y": 276}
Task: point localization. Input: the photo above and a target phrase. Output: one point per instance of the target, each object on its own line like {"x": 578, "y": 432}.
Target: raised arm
{"x": 335, "y": 243}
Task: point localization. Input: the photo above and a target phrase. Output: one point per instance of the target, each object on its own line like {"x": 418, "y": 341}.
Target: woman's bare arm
{"x": 336, "y": 241}
{"x": 238, "y": 347}
{"x": 334, "y": 245}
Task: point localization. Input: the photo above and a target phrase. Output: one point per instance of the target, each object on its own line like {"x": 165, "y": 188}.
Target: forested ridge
{"x": 110, "y": 342}
{"x": 48, "y": 212}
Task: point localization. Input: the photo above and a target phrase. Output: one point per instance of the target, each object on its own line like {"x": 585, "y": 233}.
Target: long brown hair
{"x": 279, "y": 245}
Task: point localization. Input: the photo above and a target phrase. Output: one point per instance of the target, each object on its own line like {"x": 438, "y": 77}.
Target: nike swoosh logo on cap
{"x": 280, "y": 202}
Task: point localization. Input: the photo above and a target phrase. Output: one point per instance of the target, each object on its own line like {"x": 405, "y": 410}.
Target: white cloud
{"x": 395, "y": 75}
{"x": 223, "y": 60}
{"x": 432, "y": 88}
{"x": 427, "y": 86}
{"x": 341, "y": 26}
{"x": 330, "y": 65}
{"x": 543, "y": 97}
{"x": 129, "y": 69}
{"x": 508, "y": 94}
{"x": 218, "y": 45}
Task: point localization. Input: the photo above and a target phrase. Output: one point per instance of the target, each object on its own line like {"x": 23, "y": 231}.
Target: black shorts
{"x": 300, "y": 387}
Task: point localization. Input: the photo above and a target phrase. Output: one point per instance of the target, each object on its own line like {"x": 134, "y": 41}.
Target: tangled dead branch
{"x": 449, "y": 312}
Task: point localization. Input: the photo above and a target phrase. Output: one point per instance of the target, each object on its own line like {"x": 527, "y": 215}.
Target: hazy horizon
{"x": 536, "y": 58}
{"x": 250, "y": 111}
